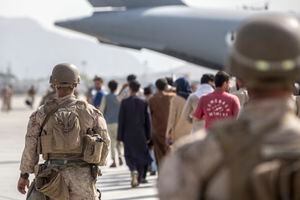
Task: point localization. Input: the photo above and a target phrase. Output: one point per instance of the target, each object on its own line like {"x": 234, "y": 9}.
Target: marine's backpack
{"x": 258, "y": 170}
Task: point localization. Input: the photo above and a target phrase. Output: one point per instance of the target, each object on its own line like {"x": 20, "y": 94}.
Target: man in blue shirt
{"x": 110, "y": 107}
{"x": 96, "y": 94}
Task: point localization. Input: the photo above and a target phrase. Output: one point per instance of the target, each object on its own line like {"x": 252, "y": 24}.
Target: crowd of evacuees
{"x": 144, "y": 123}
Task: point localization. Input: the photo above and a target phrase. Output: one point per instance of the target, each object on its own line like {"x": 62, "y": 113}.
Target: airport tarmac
{"x": 114, "y": 184}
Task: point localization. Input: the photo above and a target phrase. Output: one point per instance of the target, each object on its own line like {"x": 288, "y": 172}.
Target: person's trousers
{"x": 81, "y": 184}
{"x": 153, "y": 163}
{"x": 141, "y": 169}
{"x": 113, "y": 131}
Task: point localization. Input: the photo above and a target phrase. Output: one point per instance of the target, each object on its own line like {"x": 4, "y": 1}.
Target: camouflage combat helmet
{"x": 267, "y": 50}
{"x": 65, "y": 75}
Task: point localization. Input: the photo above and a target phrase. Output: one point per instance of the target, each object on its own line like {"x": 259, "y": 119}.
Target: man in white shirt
{"x": 206, "y": 87}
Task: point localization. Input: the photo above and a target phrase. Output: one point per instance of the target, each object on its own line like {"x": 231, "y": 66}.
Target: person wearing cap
{"x": 255, "y": 156}
{"x": 58, "y": 130}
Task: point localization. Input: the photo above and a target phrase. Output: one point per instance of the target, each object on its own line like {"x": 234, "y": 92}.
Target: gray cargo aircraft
{"x": 200, "y": 36}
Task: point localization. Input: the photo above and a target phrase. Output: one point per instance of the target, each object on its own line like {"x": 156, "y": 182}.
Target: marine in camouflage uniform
{"x": 77, "y": 175}
{"x": 200, "y": 168}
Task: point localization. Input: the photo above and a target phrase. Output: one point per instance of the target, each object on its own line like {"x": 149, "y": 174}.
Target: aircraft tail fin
{"x": 134, "y": 3}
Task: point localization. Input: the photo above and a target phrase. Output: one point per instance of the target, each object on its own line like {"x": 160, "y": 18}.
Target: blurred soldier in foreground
{"x": 256, "y": 156}
{"x": 72, "y": 137}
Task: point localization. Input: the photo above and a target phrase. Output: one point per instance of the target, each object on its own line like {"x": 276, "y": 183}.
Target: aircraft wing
{"x": 131, "y": 4}
{"x": 199, "y": 36}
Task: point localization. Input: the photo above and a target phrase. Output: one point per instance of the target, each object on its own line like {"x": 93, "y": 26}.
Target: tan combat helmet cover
{"x": 266, "y": 52}
{"x": 65, "y": 75}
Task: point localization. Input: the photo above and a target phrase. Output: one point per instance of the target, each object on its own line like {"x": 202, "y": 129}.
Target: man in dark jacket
{"x": 134, "y": 132}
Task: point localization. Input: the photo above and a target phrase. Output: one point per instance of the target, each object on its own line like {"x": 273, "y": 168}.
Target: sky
{"x": 46, "y": 12}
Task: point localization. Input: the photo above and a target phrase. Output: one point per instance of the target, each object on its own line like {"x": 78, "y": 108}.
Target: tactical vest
{"x": 64, "y": 131}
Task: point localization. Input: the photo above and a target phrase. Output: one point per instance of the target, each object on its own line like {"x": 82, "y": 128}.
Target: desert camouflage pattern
{"x": 297, "y": 101}
{"x": 80, "y": 183}
{"x": 30, "y": 156}
{"x": 184, "y": 171}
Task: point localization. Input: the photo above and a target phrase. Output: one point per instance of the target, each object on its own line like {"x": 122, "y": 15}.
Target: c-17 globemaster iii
{"x": 200, "y": 36}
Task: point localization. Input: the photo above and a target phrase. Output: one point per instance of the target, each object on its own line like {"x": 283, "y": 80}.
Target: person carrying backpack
{"x": 257, "y": 156}
{"x": 71, "y": 135}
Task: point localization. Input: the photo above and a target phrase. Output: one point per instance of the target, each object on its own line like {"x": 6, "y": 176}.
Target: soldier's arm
{"x": 184, "y": 171}
{"x": 100, "y": 124}
{"x": 30, "y": 155}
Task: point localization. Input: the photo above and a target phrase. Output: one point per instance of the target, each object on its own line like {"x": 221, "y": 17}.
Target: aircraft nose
{"x": 81, "y": 25}
{"x": 66, "y": 24}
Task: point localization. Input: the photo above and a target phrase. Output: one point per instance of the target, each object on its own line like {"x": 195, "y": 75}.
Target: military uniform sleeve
{"x": 101, "y": 123}
{"x": 184, "y": 171}
{"x": 30, "y": 155}
{"x": 296, "y": 99}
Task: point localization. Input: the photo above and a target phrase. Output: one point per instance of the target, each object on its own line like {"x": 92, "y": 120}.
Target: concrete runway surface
{"x": 114, "y": 184}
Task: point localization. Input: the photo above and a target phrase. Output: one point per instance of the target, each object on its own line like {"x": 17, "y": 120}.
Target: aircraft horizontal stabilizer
{"x": 134, "y": 3}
